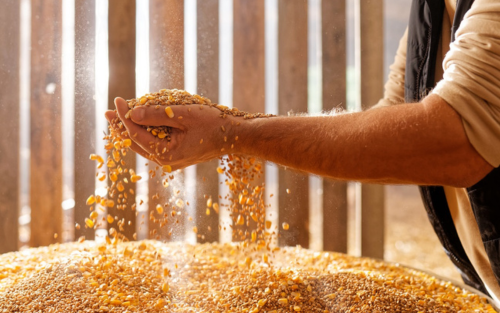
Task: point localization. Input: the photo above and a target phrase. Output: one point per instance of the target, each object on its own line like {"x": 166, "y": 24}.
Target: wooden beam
{"x": 121, "y": 38}
{"x": 249, "y": 69}
{"x": 370, "y": 61}
{"x": 207, "y": 179}
{"x": 84, "y": 112}
{"x": 333, "y": 32}
{"x": 9, "y": 142}
{"x": 46, "y": 134}
{"x": 166, "y": 50}
{"x": 292, "y": 96}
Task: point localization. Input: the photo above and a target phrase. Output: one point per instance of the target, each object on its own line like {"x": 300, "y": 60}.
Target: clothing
{"x": 472, "y": 88}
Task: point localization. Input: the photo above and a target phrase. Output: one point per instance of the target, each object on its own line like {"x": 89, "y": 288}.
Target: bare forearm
{"x": 421, "y": 143}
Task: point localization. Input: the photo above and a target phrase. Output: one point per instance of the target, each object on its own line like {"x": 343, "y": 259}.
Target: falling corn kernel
{"x": 94, "y": 215}
{"x": 179, "y": 203}
{"x": 254, "y": 216}
{"x": 120, "y": 186}
{"x": 216, "y": 207}
{"x": 220, "y": 170}
{"x": 209, "y": 202}
{"x": 240, "y": 220}
{"x": 254, "y": 236}
{"x": 102, "y": 177}
{"x": 110, "y": 219}
{"x": 135, "y": 178}
{"x": 126, "y": 143}
{"x": 268, "y": 224}
{"x": 288, "y": 191}
{"x": 91, "y": 200}
{"x": 167, "y": 168}
{"x": 207, "y": 212}
{"x": 285, "y": 226}
{"x": 195, "y": 229}
{"x": 113, "y": 177}
{"x": 89, "y": 223}
{"x": 169, "y": 112}
{"x": 159, "y": 209}
{"x": 95, "y": 157}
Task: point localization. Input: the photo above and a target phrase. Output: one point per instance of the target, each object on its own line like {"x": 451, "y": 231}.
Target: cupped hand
{"x": 198, "y": 132}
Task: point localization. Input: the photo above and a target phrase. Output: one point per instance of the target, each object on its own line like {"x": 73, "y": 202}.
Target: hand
{"x": 197, "y": 134}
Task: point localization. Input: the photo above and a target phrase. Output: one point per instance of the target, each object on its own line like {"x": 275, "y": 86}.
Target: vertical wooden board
{"x": 370, "y": 62}
{"x": 333, "y": 25}
{"x": 84, "y": 111}
{"x": 46, "y": 134}
{"x": 121, "y": 38}
{"x": 207, "y": 179}
{"x": 249, "y": 68}
{"x": 166, "y": 50}
{"x": 334, "y": 215}
{"x": 9, "y": 128}
{"x": 292, "y": 96}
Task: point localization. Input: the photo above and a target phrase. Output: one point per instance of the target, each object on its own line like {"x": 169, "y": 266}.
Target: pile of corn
{"x": 150, "y": 276}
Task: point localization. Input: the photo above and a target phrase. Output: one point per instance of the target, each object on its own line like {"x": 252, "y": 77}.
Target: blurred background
{"x": 62, "y": 63}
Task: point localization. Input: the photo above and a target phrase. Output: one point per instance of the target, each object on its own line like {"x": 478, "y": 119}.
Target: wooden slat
{"x": 121, "y": 36}
{"x": 45, "y": 122}
{"x": 249, "y": 68}
{"x": 9, "y": 128}
{"x": 84, "y": 111}
{"x": 207, "y": 180}
{"x": 292, "y": 95}
{"x": 166, "y": 35}
{"x": 333, "y": 30}
{"x": 370, "y": 71}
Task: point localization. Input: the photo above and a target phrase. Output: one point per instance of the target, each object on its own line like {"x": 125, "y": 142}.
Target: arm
{"x": 422, "y": 143}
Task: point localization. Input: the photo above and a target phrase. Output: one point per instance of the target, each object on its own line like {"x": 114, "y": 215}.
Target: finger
{"x": 156, "y": 116}
{"x": 111, "y": 116}
{"x": 137, "y": 133}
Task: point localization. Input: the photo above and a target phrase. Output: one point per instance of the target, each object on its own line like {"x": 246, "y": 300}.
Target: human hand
{"x": 198, "y": 132}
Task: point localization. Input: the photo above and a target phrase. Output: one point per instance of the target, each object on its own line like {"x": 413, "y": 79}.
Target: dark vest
{"x": 424, "y": 31}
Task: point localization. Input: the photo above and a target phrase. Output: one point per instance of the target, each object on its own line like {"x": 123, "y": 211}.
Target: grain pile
{"x": 150, "y": 276}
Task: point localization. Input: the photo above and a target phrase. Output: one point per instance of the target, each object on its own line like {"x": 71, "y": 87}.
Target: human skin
{"x": 419, "y": 143}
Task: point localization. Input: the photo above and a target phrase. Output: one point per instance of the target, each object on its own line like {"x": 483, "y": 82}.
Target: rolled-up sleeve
{"x": 471, "y": 81}
{"x": 394, "y": 92}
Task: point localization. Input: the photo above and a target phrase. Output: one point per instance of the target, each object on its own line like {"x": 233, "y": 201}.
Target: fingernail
{"x": 138, "y": 114}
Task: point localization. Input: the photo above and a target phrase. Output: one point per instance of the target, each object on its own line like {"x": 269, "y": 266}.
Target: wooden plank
{"x": 9, "y": 128}
{"x": 166, "y": 50}
{"x": 121, "y": 38}
{"x": 207, "y": 179}
{"x": 249, "y": 71}
{"x": 333, "y": 25}
{"x": 369, "y": 23}
{"x": 45, "y": 122}
{"x": 292, "y": 96}
{"x": 84, "y": 111}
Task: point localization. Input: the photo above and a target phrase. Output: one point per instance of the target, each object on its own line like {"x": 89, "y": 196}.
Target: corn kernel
{"x": 169, "y": 112}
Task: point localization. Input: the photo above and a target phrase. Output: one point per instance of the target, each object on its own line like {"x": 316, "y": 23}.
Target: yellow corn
{"x": 285, "y": 226}
{"x": 89, "y": 223}
{"x": 135, "y": 178}
{"x": 167, "y": 168}
{"x": 159, "y": 209}
{"x": 91, "y": 200}
{"x": 169, "y": 112}
{"x": 216, "y": 207}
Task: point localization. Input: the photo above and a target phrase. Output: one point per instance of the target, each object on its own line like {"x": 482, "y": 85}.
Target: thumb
{"x": 157, "y": 116}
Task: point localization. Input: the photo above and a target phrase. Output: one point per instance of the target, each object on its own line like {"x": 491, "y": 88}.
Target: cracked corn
{"x": 149, "y": 276}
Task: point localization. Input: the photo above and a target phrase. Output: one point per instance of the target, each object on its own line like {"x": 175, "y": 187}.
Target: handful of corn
{"x": 149, "y": 276}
